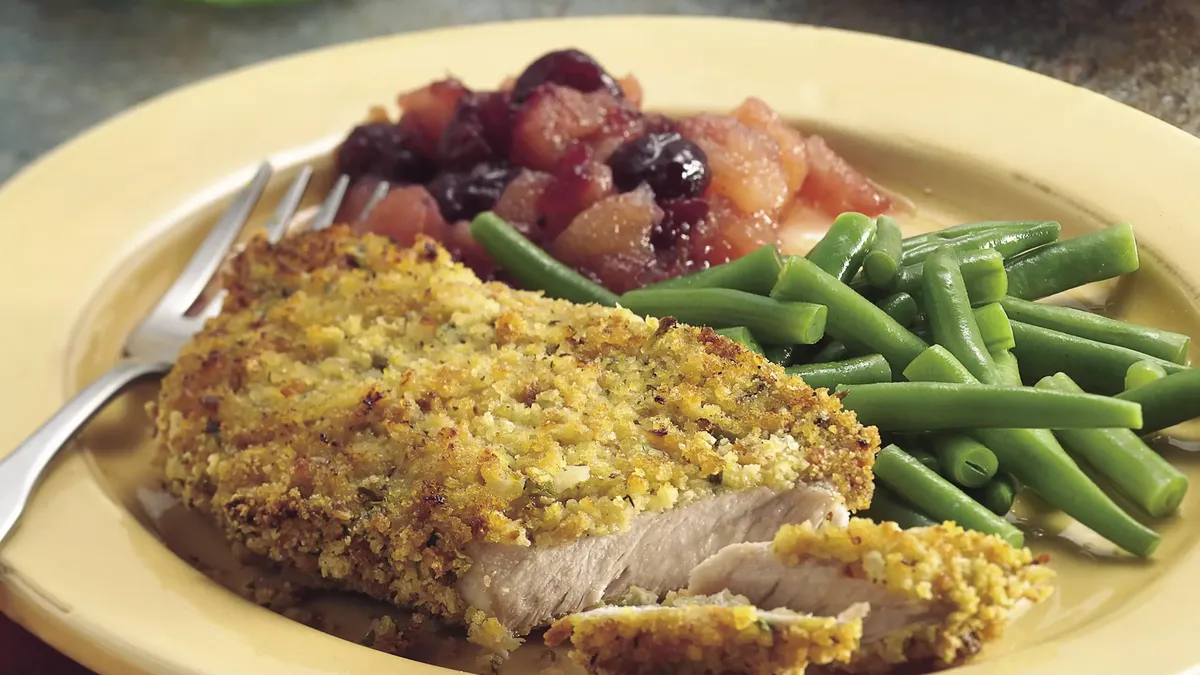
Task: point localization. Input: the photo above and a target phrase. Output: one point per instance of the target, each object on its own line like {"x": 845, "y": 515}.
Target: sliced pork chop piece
{"x": 526, "y": 587}
{"x": 936, "y": 594}
{"x": 688, "y": 635}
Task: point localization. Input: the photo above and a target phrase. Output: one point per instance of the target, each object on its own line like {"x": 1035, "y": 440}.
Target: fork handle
{"x": 21, "y": 469}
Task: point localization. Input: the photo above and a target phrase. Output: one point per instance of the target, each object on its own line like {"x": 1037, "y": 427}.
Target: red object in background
{"x": 24, "y": 654}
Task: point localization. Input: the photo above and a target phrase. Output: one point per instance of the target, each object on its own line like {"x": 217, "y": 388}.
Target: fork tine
{"x": 277, "y": 226}
{"x": 208, "y": 257}
{"x": 377, "y": 196}
{"x": 329, "y": 208}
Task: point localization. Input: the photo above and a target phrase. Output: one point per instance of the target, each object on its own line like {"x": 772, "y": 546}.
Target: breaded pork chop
{"x": 384, "y": 421}
{"x": 937, "y": 594}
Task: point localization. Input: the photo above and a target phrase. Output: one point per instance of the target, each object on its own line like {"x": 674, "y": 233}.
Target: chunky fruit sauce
{"x": 566, "y": 154}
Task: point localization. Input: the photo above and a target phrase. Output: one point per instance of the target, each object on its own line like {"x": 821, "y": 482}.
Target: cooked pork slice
{"x": 385, "y": 422}
{"x": 936, "y": 594}
{"x": 717, "y": 634}
{"x": 525, "y": 586}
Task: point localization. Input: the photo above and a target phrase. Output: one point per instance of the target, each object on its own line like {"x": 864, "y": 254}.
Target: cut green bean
{"x": 834, "y": 351}
{"x": 1097, "y": 367}
{"x": 742, "y": 336}
{"x": 862, "y": 370}
{"x": 1067, "y": 264}
{"x": 1006, "y": 363}
{"x": 754, "y": 272}
{"x": 768, "y": 319}
{"x": 850, "y": 314}
{"x": 900, "y": 306}
{"x": 533, "y": 267}
{"x": 888, "y": 507}
{"x": 964, "y": 460}
{"x": 842, "y": 250}
{"x": 883, "y": 259}
{"x": 937, "y": 364}
{"x": 1172, "y": 400}
{"x": 1142, "y": 373}
{"x": 994, "y": 327}
{"x": 999, "y": 493}
{"x": 1161, "y": 344}
{"x": 934, "y": 406}
{"x": 967, "y": 229}
{"x": 982, "y": 271}
{"x": 949, "y": 311}
{"x": 936, "y": 496}
{"x": 1007, "y": 242}
{"x": 923, "y": 456}
{"x": 1138, "y": 472}
{"x": 1036, "y": 459}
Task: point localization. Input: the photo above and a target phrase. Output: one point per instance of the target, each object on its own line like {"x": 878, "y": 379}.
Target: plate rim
{"x": 80, "y": 626}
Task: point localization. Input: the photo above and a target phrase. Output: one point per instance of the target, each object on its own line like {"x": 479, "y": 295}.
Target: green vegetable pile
{"x": 933, "y": 339}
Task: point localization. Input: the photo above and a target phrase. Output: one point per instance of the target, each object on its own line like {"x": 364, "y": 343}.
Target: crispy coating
{"x": 363, "y": 412}
{"x": 700, "y": 634}
{"x": 981, "y": 579}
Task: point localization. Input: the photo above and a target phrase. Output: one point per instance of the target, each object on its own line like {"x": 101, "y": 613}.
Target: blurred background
{"x": 68, "y": 64}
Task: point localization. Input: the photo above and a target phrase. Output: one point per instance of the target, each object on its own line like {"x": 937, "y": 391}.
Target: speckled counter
{"x": 67, "y": 64}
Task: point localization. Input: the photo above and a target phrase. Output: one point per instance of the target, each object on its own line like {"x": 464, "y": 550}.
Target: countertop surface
{"x": 68, "y": 64}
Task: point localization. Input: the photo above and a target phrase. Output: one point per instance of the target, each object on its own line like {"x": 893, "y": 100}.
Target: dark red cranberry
{"x": 673, "y": 166}
{"x": 464, "y": 195}
{"x": 680, "y": 218}
{"x": 479, "y": 131}
{"x": 569, "y": 68}
{"x": 384, "y": 150}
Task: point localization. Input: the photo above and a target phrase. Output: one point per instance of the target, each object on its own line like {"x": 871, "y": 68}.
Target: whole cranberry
{"x": 673, "y": 166}
{"x": 383, "y": 149}
{"x": 464, "y": 195}
{"x": 479, "y": 131}
{"x": 569, "y": 68}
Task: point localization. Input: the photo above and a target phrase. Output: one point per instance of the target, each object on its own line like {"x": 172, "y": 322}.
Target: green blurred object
{"x": 243, "y": 3}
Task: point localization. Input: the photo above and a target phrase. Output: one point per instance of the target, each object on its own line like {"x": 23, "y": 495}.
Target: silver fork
{"x": 153, "y": 346}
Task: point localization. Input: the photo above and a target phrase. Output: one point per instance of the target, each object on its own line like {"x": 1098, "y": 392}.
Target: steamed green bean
{"x": 1036, "y": 459}
{"x": 768, "y": 319}
{"x": 1096, "y": 366}
{"x": 755, "y": 272}
{"x": 1138, "y": 472}
{"x": 532, "y": 266}
{"x": 1066, "y": 264}
{"x": 1007, "y": 242}
{"x": 937, "y": 497}
{"x": 850, "y": 314}
{"x": 861, "y": 370}
{"x": 742, "y": 336}
{"x": 1172, "y": 400}
{"x": 883, "y": 260}
{"x": 1161, "y": 344}
{"x": 934, "y": 406}
{"x": 842, "y": 250}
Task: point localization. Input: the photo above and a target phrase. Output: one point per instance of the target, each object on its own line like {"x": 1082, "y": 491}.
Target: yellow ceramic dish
{"x": 97, "y": 229}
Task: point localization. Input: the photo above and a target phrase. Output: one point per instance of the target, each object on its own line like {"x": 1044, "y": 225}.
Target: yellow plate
{"x": 98, "y": 228}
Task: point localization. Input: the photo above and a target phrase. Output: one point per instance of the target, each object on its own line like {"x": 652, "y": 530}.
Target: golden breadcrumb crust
{"x": 981, "y": 579}
{"x": 688, "y": 635}
{"x": 364, "y": 412}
